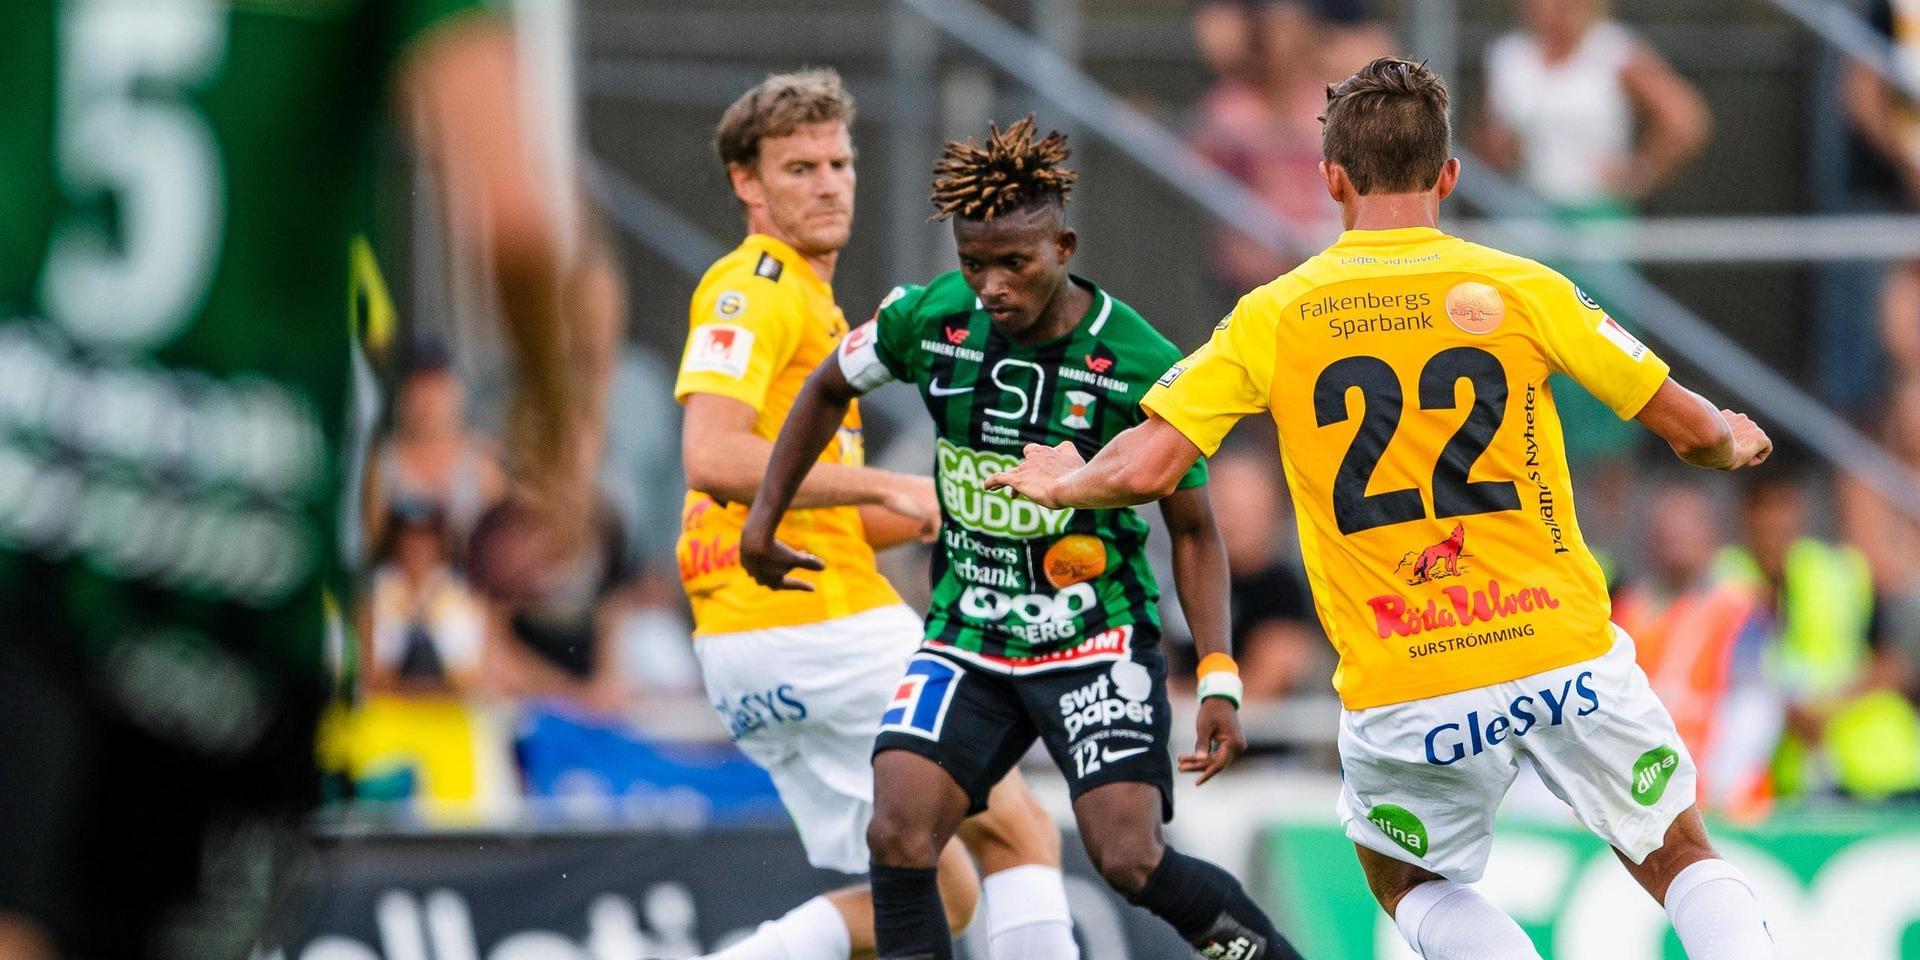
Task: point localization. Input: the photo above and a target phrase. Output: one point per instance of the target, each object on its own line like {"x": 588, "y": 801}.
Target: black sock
{"x": 909, "y": 922}
{"x": 1212, "y": 911}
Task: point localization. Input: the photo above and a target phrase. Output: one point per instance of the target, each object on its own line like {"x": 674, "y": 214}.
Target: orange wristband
{"x": 1214, "y": 662}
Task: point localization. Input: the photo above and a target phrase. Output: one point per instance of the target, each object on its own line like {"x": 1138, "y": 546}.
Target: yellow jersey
{"x": 760, "y": 322}
{"x": 1407, "y": 373}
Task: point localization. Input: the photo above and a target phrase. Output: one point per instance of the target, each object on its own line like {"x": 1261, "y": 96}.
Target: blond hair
{"x": 776, "y": 107}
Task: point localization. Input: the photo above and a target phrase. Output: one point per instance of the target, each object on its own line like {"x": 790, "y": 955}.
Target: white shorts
{"x": 1423, "y": 779}
{"x": 804, "y": 702}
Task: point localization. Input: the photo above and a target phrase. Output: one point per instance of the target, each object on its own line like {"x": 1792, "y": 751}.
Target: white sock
{"x": 1443, "y": 920}
{"x": 1027, "y": 915}
{"x": 811, "y": 931}
{"x": 1716, "y": 914}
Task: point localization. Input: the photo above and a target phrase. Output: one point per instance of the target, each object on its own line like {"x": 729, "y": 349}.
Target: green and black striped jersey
{"x": 180, "y": 183}
{"x": 1015, "y": 583}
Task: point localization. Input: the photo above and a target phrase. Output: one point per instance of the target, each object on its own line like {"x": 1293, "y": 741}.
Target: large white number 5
{"x": 125, "y": 130}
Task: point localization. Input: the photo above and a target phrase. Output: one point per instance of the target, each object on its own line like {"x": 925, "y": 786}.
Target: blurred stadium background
{"x": 542, "y": 778}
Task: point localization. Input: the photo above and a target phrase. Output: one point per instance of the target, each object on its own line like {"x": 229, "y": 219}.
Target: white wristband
{"x": 1224, "y": 684}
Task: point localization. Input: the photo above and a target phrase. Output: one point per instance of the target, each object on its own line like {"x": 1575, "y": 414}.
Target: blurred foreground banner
{"x": 604, "y": 896}
{"x": 1832, "y": 887}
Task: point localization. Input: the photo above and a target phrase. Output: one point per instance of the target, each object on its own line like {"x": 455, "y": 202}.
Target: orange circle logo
{"x": 1075, "y": 558}
{"x": 1475, "y": 307}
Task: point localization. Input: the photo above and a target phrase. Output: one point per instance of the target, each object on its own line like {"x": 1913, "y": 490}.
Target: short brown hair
{"x": 776, "y": 107}
{"x": 1387, "y": 125}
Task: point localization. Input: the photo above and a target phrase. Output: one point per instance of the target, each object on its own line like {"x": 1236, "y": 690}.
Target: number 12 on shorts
{"x": 1086, "y": 758}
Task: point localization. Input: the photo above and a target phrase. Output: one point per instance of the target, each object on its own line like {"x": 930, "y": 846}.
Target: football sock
{"x": 814, "y": 930}
{"x": 1443, "y": 920}
{"x": 909, "y": 922}
{"x": 1027, "y": 915}
{"x": 1716, "y": 914}
{"x": 1211, "y": 910}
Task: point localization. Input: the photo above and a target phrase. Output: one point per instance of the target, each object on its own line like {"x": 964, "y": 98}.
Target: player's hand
{"x": 1036, "y": 476}
{"x": 1751, "y": 445}
{"x": 768, "y": 562}
{"x": 916, "y": 499}
{"x": 1220, "y": 741}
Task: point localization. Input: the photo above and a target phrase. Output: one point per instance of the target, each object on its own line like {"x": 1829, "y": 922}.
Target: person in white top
{"x": 1587, "y": 114}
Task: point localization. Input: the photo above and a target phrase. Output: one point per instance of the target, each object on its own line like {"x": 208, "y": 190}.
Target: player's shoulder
{"x": 1518, "y": 274}
{"x": 1115, "y": 319}
{"x": 1268, "y": 301}
{"x": 748, "y": 281}
{"x": 942, "y": 296}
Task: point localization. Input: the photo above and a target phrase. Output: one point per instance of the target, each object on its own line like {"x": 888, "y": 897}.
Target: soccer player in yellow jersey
{"x": 1406, "y": 371}
{"x": 801, "y": 679}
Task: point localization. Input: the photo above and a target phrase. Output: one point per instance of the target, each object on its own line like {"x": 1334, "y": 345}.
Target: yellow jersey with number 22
{"x": 1407, "y": 373}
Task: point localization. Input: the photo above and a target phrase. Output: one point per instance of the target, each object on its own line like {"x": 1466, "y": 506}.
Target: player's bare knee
{"x": 1125, "y": 861}
{"x": 897, "y": 838}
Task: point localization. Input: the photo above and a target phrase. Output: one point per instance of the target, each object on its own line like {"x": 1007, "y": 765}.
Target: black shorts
{"x": 118, "y": 837}
{"x": 1108, "y": 722}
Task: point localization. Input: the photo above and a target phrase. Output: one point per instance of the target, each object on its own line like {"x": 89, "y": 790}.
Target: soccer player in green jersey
{"x": 1043, "y": 622}
{"x": 178, "y": 180}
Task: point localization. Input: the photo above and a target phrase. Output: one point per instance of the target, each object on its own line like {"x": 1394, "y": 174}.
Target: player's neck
{"x": 1392, "y": 211}
{"x": 1062, "y": 314}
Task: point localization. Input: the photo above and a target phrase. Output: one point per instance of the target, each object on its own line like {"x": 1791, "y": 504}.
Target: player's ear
{"x": 746, "y": 183}
{"x": 1339, "y": 187}
{"x": 1449, "y": 178}
{"x": 1065, "y": 243}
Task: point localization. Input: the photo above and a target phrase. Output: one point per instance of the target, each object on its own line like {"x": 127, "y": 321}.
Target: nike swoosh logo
{"x": 1110, "y": 754}
{"x": 937, "y": 390}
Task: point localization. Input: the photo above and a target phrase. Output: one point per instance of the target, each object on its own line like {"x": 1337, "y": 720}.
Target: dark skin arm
{"x": 810, "y": 426}
{"x": 1201, "y": 578}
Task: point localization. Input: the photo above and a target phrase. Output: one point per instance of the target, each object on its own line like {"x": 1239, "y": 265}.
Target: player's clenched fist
{"x": 1035, "y": 476}
{"x": 1751, "y": 445}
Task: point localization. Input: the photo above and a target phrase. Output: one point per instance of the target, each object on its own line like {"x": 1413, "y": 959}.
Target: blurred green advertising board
{"x": 1833, "y": 886}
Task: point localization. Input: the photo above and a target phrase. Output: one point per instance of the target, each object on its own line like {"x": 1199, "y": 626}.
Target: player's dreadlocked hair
{"x": 1010, "y": 172}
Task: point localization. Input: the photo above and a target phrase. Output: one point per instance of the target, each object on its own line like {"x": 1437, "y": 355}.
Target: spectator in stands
{"x": 1887, "y": 536}
{"x": 1260, "y": 122}
{"x": 553, "y": 608}
{"x": 431, "y": 456}
{"x": 1275, "y": 636}
{"x": 1851, "y": 727}
{"x": 422, "y": 630}
{"x": 1587, "y": 114}
{"x": 1699, "y": 635}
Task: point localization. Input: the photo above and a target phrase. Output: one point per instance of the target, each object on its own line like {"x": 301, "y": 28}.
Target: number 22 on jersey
{"x": 1453, "y": 494}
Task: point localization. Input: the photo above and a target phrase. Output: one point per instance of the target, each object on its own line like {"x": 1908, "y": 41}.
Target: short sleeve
{"x": 1583, "y": 342}
{"x": 876, "y": 352}
{"x": 741, "y": 337}
{"x": 1204, "y": 395}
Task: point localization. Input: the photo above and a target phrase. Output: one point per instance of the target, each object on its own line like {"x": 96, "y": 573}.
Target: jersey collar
{"x": 1398, "y": 236}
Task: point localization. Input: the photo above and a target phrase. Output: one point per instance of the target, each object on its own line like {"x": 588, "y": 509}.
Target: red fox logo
{"x": 1440, "y": 560}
